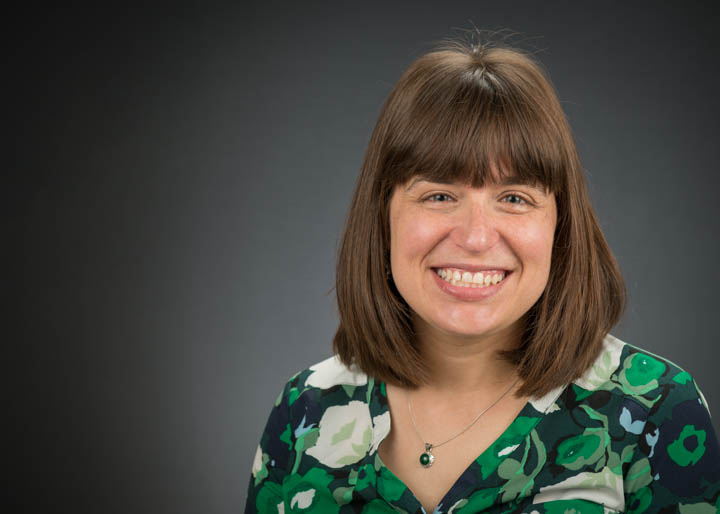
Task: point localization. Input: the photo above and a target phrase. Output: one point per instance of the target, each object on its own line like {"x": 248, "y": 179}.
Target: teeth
{"x": 469, "y": 279}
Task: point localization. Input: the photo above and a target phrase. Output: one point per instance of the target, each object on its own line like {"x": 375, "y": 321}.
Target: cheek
{"x": 412, "y": 237}
{"x": 538, "y": 244}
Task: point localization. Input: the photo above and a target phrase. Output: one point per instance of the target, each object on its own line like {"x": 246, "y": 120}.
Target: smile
{"x": 462, "y": 278}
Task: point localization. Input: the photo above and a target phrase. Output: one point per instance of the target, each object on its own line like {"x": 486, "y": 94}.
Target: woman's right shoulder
{"x": 321, "y": 379}
{"x": 332, "y": 373}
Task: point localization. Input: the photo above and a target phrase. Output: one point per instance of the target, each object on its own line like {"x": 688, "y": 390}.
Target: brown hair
{"x": 453, "y": 115}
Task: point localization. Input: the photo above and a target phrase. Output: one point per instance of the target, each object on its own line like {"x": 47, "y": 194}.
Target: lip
{"x": 469, "y": 294}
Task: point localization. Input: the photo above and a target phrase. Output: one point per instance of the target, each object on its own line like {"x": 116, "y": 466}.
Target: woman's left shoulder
{"x": 640, "y": 375}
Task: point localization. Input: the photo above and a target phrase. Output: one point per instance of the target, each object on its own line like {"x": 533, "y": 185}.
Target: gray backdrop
{"x": 179, "y": 177}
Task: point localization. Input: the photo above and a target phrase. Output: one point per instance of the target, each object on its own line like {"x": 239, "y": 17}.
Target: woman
{"x": 476, "y": 293}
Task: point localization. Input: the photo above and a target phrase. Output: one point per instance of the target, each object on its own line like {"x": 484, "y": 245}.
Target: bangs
{"x": 469, "y": 127}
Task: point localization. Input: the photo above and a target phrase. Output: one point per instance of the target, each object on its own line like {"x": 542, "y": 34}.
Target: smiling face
{"x": 468, "y": 261}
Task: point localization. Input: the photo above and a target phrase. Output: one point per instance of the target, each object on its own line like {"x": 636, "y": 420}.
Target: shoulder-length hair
{"x": 456, "y": 114}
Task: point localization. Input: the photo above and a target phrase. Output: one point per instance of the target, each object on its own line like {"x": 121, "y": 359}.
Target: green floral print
{"x": 633, "y": 434}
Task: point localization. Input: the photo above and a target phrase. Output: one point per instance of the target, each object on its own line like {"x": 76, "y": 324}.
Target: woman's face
{"x": 470, "y": 261}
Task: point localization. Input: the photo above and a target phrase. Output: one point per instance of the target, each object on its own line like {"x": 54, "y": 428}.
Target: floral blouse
{"x": 633, "y": 434}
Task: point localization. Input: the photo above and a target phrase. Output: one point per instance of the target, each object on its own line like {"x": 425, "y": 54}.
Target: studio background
{"x": 178, "y": 182}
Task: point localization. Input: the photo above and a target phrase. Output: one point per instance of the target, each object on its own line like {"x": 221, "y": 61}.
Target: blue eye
{"x": 438, "y": 197}
{"x": 515, "y": 199}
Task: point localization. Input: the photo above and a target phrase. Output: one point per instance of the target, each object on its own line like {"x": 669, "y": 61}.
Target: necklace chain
{"x": 430, "y": 446}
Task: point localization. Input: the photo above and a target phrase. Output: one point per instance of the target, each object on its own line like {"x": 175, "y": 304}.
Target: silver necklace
{"x": 427, "y": 458}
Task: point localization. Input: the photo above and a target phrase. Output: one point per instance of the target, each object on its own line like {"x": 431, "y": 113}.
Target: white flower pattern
{"x": 332, "y": 372}
{"x": 603, "y": 488}
{"x": 345, "y": 435}
{"x": 604, "y": 366}
{"x": 381, "y": 428}
{"x": 257, "y": 462}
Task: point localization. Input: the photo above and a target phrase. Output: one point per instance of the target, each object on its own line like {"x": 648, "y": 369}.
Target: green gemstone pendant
{"x": 426, "y": 457}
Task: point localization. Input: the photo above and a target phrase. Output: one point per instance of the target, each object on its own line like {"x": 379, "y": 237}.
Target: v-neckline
{"x": 484, "y": 465}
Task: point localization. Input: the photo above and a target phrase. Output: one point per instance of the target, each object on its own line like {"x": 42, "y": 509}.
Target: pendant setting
{"x": 426, "y": 457}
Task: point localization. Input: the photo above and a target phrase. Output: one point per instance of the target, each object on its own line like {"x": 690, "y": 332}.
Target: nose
{"x": 476, "y": 229}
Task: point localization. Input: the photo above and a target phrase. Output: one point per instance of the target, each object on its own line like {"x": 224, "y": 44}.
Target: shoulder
{"x": 633, "y": 389}
{"x": 331, "y": 373}
{"x": 329, "y": 383}
{"x": 320, "y": 379}
{"x": 638, "y": 374}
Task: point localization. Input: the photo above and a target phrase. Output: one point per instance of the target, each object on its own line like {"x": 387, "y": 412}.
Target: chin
{"x": 467, "y": 329}
{"x": 468, "y": 323}
{"x": 470, "y": 332}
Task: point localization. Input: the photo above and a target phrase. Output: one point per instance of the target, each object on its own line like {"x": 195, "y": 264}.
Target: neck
{"x": 466, "y": 364}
